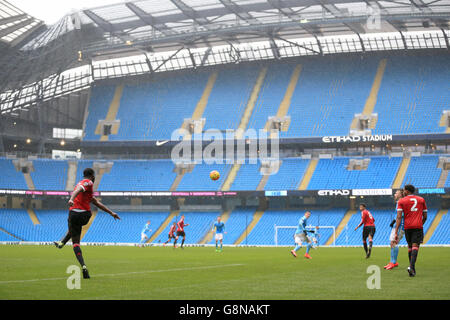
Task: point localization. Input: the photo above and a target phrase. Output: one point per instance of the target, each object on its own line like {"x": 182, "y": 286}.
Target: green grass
{"x": 199, "y": 273}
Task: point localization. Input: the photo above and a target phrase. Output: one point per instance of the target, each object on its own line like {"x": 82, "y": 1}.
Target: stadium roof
{"x": 160, "y": 25}
{"x": 15, "y": 25}
{"x": 146, "y": 36}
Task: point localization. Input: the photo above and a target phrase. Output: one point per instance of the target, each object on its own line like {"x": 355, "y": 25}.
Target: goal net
{"x": 284, "y": 235}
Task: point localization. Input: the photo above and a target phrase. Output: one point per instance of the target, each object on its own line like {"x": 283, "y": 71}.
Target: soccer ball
{"x": 214, "y": 175}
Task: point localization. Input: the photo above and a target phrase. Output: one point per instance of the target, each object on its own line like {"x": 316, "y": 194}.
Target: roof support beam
{"x": 189, "y": 12}
{"x": 147, "y": 18}
{"x": 238, "y": 11}
{"x": 299, "y": 45}
{"x": 102, "y": 23}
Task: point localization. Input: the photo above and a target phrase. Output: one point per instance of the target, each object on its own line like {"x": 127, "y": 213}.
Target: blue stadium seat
{"x": 11, "y": 179}
{"x": 333, "y": 174}
{"x": 49, "y": 174}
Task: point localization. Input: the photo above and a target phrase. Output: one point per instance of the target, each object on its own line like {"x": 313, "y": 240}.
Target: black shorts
{"x": 369, "y": 230}
{"x": 76, "y": 221}
{"x": 181, "y": 234}
{"x": 414, "y": 236}
{"x": 171, "y": 235}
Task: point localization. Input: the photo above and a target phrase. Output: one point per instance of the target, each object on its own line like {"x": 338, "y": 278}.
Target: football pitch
{"x": 199, "y": 273}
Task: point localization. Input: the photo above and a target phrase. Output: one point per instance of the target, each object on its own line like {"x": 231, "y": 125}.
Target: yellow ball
{"x": 214, "y": 175}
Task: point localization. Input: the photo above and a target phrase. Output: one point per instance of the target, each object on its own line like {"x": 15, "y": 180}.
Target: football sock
{"x": 297, "y": 247}
{"x": 409, "y": 254}
{"x": 414, "y": 253}
{"x": 394, "y": 254}
{"x": 78, "y": 254}
{"x": 221, "y": 246}
{"x": 175, "y": 243}
{"x": 370, "y": 246}
{"x": 365, "y": 246}
{"x": 308, "y": 247}
{"x": 182, "y": 242}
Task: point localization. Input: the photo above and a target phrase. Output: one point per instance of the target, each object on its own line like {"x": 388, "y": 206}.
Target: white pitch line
{"x": 128, "y": 273}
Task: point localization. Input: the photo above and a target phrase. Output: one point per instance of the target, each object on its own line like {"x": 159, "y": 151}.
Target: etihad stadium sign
{"x": 352, "y": 139}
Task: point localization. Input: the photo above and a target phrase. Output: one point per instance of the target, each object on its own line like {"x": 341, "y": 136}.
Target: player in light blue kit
{"x": 301, "y": 236}
{"x": 220, "y": 230}
{"x": 144, "y": 231}
{"x": 401, "y": 232}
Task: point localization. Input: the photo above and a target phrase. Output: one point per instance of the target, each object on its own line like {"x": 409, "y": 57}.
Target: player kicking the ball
{"x": 369, "y": 228}
{"x": 180, "y": 232}
{"x": 394, "y": 244}
{"x": 80, "y": 213}
{"x": 414, "y": 210}
{"x": 301, "y": 236}
{"x": 220, "y": 227}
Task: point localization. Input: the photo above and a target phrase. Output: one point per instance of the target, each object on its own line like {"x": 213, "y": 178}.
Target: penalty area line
{"x": 128, "y": 273}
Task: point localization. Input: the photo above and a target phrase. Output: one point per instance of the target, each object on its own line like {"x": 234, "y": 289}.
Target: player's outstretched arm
{"x": 77, "y": 191}
{"x": 101, "y": 206}
{"x": 359, "y": 225}
{"x": 397, "y": 224}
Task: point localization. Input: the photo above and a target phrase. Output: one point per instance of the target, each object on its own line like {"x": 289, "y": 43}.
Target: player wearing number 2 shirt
{"x": 414, "y": 211}
{"x": 369, "y": 228}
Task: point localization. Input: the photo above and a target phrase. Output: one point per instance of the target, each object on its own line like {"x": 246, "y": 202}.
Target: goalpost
{"x": 280, "y": 228}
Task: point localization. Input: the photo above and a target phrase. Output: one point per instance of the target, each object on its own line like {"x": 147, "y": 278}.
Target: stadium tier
{"x": 49, "y": 174}
{"x": 423, "y": 171}
{"x": 17, "y": 225}
{"x": 333, "y": 174}
{"x": 128, "y": 175}
{"x": 159, "y": 175}
{"x": 322, "y": 97}
{"x": 10, "y": 177}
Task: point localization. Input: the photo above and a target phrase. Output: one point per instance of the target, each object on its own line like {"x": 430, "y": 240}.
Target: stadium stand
{"x": 11, "y": 178}
{"x": 49, "y": 174}
{"x": 288, "y": 176}
{"x": 53, "y": 225}
{"x": 155, "y": 109}
{"x": 101, "y": 97}
{"x": 128, "y": 229}
{"x": 442, "y": 232}
{"x": 410, "y": 86}
{"x": 333, "y": 174}
{"x": 328, "y": 94}
{"x": 198, "y": 179}
{"x": 423, "y": 171}
{"x": 129, "y": 175}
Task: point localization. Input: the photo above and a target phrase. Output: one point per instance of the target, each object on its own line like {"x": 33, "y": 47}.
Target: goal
{"x": 284, "y": 235}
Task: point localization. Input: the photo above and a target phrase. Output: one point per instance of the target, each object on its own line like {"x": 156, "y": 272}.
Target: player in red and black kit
{"x": 80, "y": 213}
{"x": 414, "y": 210}
{"x": 369, "y": 228}
{"x": 171, "y": 233}
{"x": 180, "y": 232}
